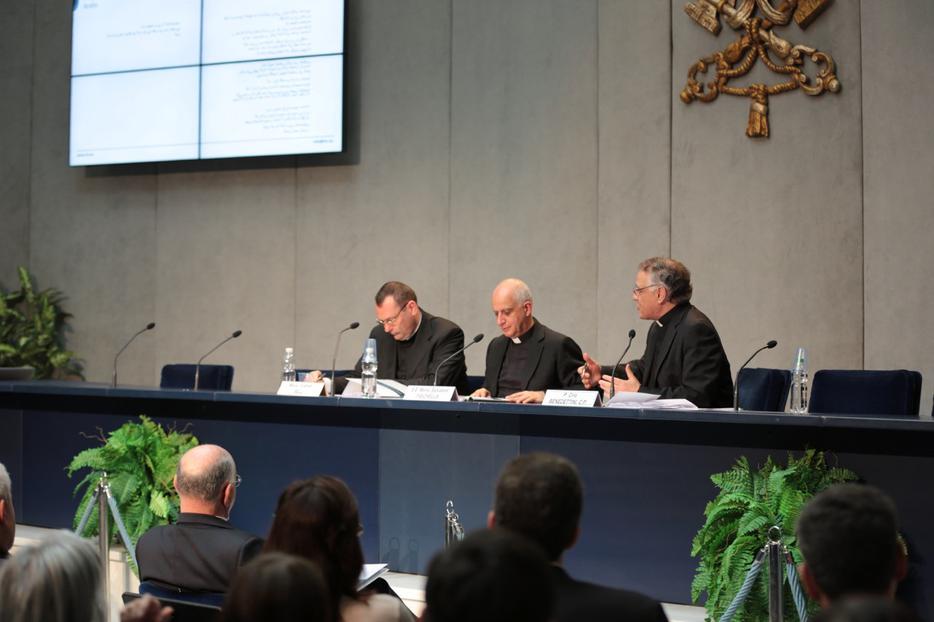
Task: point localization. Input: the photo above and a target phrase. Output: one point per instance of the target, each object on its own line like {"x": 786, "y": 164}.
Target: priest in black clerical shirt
{"x": 683, "y": 357}
{"x": 528, "y": 358}
{"x": 411, "y": 343}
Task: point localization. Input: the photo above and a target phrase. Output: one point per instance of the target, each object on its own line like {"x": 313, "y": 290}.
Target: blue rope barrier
{"x": 740, "y": 597}
{"x": 790, "y": 571}
{"x": 796, "y": 591}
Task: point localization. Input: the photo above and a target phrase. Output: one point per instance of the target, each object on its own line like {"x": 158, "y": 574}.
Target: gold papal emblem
{"x": 758, "y": 42}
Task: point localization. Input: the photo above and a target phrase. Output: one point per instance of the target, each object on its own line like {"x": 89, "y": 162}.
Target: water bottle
{"x": 368, "y": 369}
{"x": 799, "y": 383}
{"x": 288, "y": 365}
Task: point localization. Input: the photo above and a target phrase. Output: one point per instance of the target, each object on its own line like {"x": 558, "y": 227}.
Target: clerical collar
{"x": 518, "y": 340}
{"x": 669, "y": 315}
{"x": 417, "y": 326}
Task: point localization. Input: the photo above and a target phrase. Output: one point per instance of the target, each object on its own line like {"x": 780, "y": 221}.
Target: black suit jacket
{"x": 577, "y": 600}
{"x": 690, "y": 364}
{"x": 553, "y": 361}
{"x": 436, "y": 339}
{"x": 199, "y": 553}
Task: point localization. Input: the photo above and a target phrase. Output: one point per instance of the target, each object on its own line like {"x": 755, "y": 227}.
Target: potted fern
{"x": 751, "y": 501}
{"x": 140, "y": 461}
{"x": 32, "y": 331}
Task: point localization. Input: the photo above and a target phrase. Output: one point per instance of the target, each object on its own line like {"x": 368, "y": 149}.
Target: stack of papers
{"x": 648, "y": 401}
{"x": 370, "y": 573}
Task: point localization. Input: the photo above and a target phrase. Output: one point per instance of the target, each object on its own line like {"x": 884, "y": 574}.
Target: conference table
{"x": 646, "y": 472}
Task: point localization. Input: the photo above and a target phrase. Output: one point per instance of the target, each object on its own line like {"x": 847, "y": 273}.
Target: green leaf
{"x": 140, "y": 458}
{"x": 737, "y": 521}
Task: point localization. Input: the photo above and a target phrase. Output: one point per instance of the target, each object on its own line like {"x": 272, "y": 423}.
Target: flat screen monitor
{"x": 166, "y": 80}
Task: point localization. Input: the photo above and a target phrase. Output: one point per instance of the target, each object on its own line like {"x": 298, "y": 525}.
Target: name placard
{"x": 428, "y": 393}
{"x": 560, "y": 397}
{"x": 304, "y": 389}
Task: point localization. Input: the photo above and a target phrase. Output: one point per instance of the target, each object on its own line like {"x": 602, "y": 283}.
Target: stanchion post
{"x": 103, "y": 531}
{"x": 776, "y": 575}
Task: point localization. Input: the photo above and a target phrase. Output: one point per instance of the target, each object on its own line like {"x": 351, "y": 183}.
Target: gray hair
{"x": 672, "y": 275}
{"x": 207, "y": 485}
{"x": 57, "y": 580}
{"x": 6, "y": 487}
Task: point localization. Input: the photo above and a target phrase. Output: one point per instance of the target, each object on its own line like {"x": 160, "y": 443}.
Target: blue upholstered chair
{"x": 866, "y": 392}
{"x": 209, "y": 601}
{"x": 761, "y": 388}
{"x": 210, "y": 378}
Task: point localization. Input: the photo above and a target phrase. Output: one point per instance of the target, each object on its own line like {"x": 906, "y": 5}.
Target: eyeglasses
{"x": 639, "y": 290}
{"x": 393, "y": 319}
{"x": 237, "y": 480}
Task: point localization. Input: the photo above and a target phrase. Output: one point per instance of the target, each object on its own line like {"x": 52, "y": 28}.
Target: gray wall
{"x": 541, "y": 139}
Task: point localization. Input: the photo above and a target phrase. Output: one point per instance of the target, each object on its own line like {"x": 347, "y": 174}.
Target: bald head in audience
{"x": 206, "y": 481}
{"x": 7, "y": 515}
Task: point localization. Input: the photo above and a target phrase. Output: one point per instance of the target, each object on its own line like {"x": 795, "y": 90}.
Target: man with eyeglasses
{"x": 411, "y": 343}
{"x": 202, "y": 551}
{"x": 683, "y": 357}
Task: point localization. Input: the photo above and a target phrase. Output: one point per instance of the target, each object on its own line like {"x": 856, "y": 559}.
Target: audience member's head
{"x": 866, "y": 609}
{"x": 317, "y": 519}
{"x": 848, "y": 536}
{"x": 278, "y": 586}
{"x": 492, "y": 575}
{"x": 57, "y": 580}
{"x": 206, "y": 481}
{"x": 7, "y": 515}
{"x": 539, "y": 496}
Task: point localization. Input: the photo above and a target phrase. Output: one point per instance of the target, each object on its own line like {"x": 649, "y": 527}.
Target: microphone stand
{"x": 353, "y": 326}
{"x": 476, "y": 339}
{"x": 149, "y": 326}
{"x": 767, "y": 346}
{"x": 235, "y": 334}
{"x": 632, "y": 335}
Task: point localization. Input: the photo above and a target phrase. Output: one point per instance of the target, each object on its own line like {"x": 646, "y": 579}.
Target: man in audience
{"x": 848, "y": 536}
{"x": 7, "y": 515}
{"x": 202, "y": 551}
{"x": 528, "y": 358}
{"x": 683, "y": 357}
{"x": 493, "y": 576}
{"x": 411, "y": 343}
{"x": 539, "y": 495}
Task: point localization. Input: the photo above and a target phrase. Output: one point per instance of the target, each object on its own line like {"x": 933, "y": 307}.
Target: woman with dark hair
{"x": 280, "y": 587}
{"x": 317, "y": 519}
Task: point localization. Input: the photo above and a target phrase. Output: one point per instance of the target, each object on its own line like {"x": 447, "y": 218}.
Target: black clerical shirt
{"x": 515, "y": 365}
{"x": 407, "y": 359}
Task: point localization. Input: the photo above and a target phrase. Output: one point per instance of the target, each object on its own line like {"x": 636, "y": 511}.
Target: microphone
{"x": 767, "y": 346}
{"x": 235, "y": 334}
{"x": 353, "y": 326}
{"x": 476, "y": 339}
{"x": 632, "y": 335}
{"x": 149, "y": 326}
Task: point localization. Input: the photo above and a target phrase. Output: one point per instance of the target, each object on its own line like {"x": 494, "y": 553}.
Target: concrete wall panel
{"x": 524, "y": 161}
{"x": 385, "y": 217}
{"x": 91, "y": 232}
{"x": 898, "y": 132}
{"x": 634, "y": 163}
{"x": 226, "y": 262}
{"x": 16, "y": 74}
{"x": 772, "y": 228}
